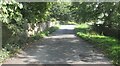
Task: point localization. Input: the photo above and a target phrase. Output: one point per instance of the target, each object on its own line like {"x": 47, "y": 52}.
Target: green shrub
{"x": 3, "y": 55}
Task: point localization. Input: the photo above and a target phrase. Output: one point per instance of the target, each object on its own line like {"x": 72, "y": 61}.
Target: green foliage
{"x": 12, "y": 20}
{"x": 81, "y": 12}
{"x": 15, "y": 18}
{"x": 106, "y": 14}
{"x": 10, "y": 13}
{"x": 60, "y": 11}
{"x": 53, "y": 20}
{"x": 110, "y": 46}
{"x": 103, "y": 14}
{"x": 3, "y": 54}
{"x": 37, "y": 12}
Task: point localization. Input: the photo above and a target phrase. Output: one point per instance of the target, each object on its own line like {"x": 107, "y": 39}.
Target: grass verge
{"x": 108, "y": 45}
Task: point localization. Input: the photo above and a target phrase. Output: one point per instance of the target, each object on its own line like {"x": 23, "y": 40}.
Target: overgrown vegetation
{"x": 104, "y": 16}
{"x": 15, "y": 18}
{"x": 110, "y": 46}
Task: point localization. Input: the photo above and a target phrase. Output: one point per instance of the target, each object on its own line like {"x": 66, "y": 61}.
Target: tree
{"x": 105, "y": 15}
{"x": 60, "y": 11}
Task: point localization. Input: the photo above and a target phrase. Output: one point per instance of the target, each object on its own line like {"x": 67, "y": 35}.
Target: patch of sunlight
{"x": 74, "y": 41}
{"x": 67, "y": 27}
{"x": 82, "y": 26}
{"x": 63, "y": 36}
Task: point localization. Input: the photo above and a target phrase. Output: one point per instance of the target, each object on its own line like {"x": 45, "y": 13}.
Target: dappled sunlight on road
{"x": 61, "y": 47}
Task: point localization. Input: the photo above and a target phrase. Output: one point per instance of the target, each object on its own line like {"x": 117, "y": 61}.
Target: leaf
{"x": 20, "y": 6}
